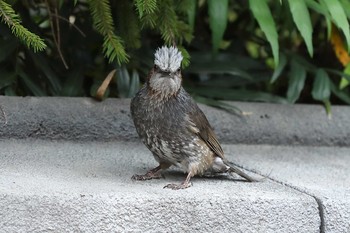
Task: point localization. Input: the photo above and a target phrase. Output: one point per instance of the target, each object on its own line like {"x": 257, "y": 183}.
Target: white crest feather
{"x": 168, "y": 58}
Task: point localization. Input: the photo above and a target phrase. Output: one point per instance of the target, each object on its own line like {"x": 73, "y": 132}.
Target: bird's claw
{"x": 178, "y": 186}
{"x": 147, "y": 176}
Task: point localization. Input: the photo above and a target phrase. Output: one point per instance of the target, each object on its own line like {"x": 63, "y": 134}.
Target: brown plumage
{"x": 173, "y": 127}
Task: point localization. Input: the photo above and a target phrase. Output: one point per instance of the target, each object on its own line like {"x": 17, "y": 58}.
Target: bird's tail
{"x": 234, "y": 168}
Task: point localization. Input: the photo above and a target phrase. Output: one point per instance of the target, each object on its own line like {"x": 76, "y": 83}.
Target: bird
{"x": 173, "y": 127}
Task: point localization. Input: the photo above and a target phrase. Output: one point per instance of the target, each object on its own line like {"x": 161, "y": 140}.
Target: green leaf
{"x": 282, "y": 64}
{"x": 218, "y": 11}
{"x": 346, "y": 7}
{"x": 339, "y": 73}
{"x": 135, "y": 83}
{"x": 224, "y": 61}
{"x": 312, "y": 4}
{"x": 336, "y": 10}
{"x": 218, "y": 104}
{"x": 123, "y": 82}
{"x": 296, "y": 82}
{"x": 234, "y": 94}
{"x": 329, "y": 27}
{"x": 324, "y": 11}
{"x": 344, "y": 96}
{"x": 186, "y": 57}
{"x": 302, "y": 61}
{"x": 321, "y": 89}
{"x": 344, "y": 82}
{"x": 327, "y": 105}
{"x": 262, "y": 13}
{"x": 113, "y": 47}
{"x": 212, "y": 69}
{"x": 302, "y": 20}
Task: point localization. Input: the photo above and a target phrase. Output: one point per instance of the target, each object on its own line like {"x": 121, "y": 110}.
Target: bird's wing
{"x": 199, "y": 125}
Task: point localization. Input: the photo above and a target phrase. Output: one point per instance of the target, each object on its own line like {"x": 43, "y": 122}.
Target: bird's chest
{"x": 153, "y": 117}
{"x": 161, "y": 126}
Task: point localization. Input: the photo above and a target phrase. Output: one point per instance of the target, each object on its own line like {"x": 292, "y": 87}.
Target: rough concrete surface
{"x": 323, "y": 172}
{"x": 86, "y": 187}
{"x": 66, "y": 163}
{"x": 87, "y": 119}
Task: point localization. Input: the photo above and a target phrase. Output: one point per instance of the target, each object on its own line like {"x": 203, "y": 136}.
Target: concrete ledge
{"x": 322, "y": 172}
{"x": 66, "y": 163}
{"x": 86, "y": 187}
{"x": 87, "y": 119}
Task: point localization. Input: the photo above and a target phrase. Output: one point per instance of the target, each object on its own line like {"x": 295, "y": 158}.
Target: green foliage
{"x": 338, "y": 16}
{"x": 172, "y": 29}
{"x": 218, "y": 104}
{"x": 256, "y": 50}
{"x": 278, "y": 70}
{"x": 321, "y": 89}
{"x": 146, "y": 6}
{"x": 218, "y": 21}
{"x": 9, "y": 16}
{"x": 130, "y": 32}
{"x": 263, "y": 15}
{"x": 190, "y": 8}
{"x": 103, "y": 22}
{"x": 186, "y": 57}
{"x": 302, "y": 20}
{"x": 127, "y": 86}
{"x": 296, "y": 82}
{"x": 344, "y": 82}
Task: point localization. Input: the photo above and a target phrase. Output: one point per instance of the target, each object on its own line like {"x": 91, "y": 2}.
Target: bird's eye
{"x": 178, "y": 70}
{"x": 156, "y": 67}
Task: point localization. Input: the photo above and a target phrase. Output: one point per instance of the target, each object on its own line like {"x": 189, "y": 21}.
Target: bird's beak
{"x": 172, "y": 75}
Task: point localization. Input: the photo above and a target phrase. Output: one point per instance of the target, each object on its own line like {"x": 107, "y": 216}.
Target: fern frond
{"x": 113, "y": 47}
{"x": 9, "y": 17}
{"x": 184, "y": 31}
{"x": 163, "y": 14}
{"x": 186, "y": 57}
{"x": 183, "y": 6}
{"x": 147, "y": 12}
{"x": 145, "y": 6}
{"x": 171, "y": 27}
{"x": 149, "y": 20}
{"x": 167, "y": 20}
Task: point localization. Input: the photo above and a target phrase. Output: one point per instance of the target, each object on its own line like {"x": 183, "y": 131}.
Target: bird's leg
{"x": 151, "y": 174}
{"x": 154, "y": 173}
{"x": 183, "y": 185}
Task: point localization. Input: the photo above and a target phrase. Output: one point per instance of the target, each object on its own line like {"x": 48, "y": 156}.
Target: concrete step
{"x": 64, "y": 186}
{"x": 87, "y": 119}
{"x": 66, "y": 163}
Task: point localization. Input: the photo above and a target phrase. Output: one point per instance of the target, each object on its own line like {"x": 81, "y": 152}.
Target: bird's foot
{"x": 178, "y": 186}
{"x": 148, "y": 176}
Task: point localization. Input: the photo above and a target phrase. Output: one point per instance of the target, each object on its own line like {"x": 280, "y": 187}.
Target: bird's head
{"x": 165, "y": 77}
